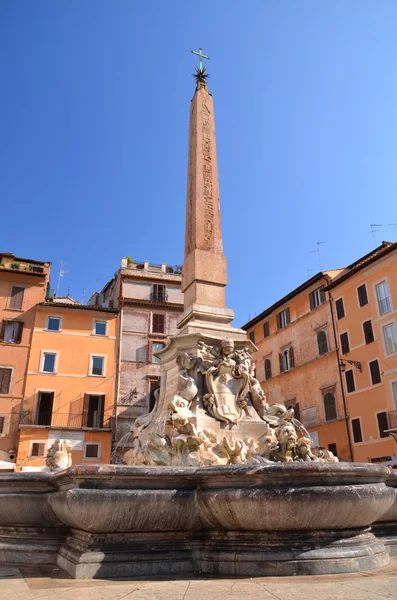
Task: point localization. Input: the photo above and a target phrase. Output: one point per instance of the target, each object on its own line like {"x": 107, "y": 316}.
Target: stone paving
{"x": 28, "y": 583}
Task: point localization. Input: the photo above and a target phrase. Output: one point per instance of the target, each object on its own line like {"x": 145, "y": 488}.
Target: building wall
{"x": 313, "y": 375}
{"x": 367, "y": 400}
{"x": 15, "y": 355}
{"x": 74, "y": 345}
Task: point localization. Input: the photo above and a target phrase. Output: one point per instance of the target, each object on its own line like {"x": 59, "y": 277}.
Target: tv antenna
{"x": 318, "y": 253}
{"x": 373, "y": 230}
{"x": 61, "y": 273}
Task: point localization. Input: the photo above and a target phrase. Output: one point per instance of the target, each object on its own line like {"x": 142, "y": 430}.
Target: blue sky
{"x": 94, "y": 120}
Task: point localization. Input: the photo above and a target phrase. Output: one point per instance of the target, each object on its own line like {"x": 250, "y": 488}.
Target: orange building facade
{"x": 23, "y": 283}
{"x": 70, "y": 383}
{"x": 364, "y": 298}
{"x": 297, "y": 362}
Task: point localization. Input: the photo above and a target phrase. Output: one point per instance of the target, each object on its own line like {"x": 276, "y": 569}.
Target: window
{"x": 5, "y": 380}
{"x": 2, "y": 421}
{"x": 283, "y": 318}
{"x": 91, "y": 451}
{"x": 100, "y": 328}
{"x": 154, "y": 385}
{"x": 322, "y": 342}
{"x": 390, "y": 337}
{"x": 16, "y": 299}
{"x": 330, "y": 407}
{"x": 266, "y": 329}
{"x": 49, "y": 359}
{"x": 382, "y": 296}
{"x": 375, "y": 372}
{"x": 156, "y": 347}
{"x": 252, "y": 336}
{"x": 97, "y": 365}
{"x": 287, "y": 360}
{"x": 382, "y": 424}
{"x": 159, "y": 293}
{"x": 158, "y": 323}
{"x": 368, "y": 332}
{"x": 44, "y": 408}
{"x": 53, "y": 324}
{"x": 11, "y": 331}
{"x": 356, "y": 427}
{"x": 362, "y": 295}
{"x": 38, "y": 449}
{"x": 93, "y": 410}
{"x": 344, "y": 343}
{"x": 332, "y": 448}
{"x": 394, "y": 388}
{"x": 268, "y": 368}
{"x": 340, "y": 309}
{"x": 317, "y": 297}
{"x": 350, "y": 385}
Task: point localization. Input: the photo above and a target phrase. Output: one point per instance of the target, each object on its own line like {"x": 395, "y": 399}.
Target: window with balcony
{"x": 383, "y": 298}
{"x": 350, "y": 385}
{"x": 11, "y": 331}
{"x": 330, "y": 407}
{"x": 368, "y": 332}
{"x": 97, "y": 366}
{"x": 159, "y": 293}
{"x": 53, "y": 324}
{"x": 93, "y": 410}
{"x": 156, "y": 347}
{"x": 268, "y": 368}
{"x": 356, "y": 428}
{"x": 317, "y": 297}
{"x": 266, "y": 329}
{"x": 362, "y": 295}
{"x": 382, "y": 424}
{"x": 48, "y": 362}
{"x": 322, "y": 342}
{"x": 16, "y": 298}
{"x": 283, "y": 318}
{"x": 158, "y": 323}
{"x": 390, "y": 337}
{"x": 375, "y": 372}
{"x": 340, "y": 308}
{"x": 344, "y": 343}
{"x": 45, "y": 405}
{"x": 100, "y": 328}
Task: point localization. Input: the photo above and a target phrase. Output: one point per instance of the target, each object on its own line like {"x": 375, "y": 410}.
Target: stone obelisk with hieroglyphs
{"x": 204, "y": 276}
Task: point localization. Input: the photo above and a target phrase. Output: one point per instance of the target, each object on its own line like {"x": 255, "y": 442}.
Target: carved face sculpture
{"x": 227, "y": 347}
{"x": 183, "y": 360}
{"x": 266, "y": 443}
{"x": 287, "y": 436}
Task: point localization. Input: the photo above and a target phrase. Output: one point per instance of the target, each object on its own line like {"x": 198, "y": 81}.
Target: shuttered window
{"x": 252, "y": 336}
{"x": 11, "y": 331}
{"x": 266, "y": 329}
{"x": 158, "y": 324}
{"x": 16, "y": 299}
{"x": 317, "y": 297}
{"x": 268, "y": 368}
{"x": 340, "y": 309}
{"x": 350, "y": 385}
{"x": 2, "y": 420}
{"x": 356, "y": 427}
{"x": 382, "y": 424}
{"x": 283, "y": 318}
{"x": 322, "y": 343}
{"x": 375, "y": 372}
{"x": 362, "y": 295}
{"x": 344, "y": 343}
{"x": 38, "y": 449}
{"x": 330, "y": 407}
{"x": 368, "y": 332}
{"x": 5, "y": 380}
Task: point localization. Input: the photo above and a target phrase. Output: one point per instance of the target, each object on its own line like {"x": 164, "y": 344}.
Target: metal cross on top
{"x": 201, "y": 55}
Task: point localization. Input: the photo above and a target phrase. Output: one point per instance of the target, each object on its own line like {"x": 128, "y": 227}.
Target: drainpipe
{"x": 349, "y": 438}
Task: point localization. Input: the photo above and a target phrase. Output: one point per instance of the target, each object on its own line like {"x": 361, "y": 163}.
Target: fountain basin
{"x": 386, "y": 526}
{"x": 240, "y": 520}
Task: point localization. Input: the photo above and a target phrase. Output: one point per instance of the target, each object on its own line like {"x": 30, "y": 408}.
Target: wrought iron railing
{"x": 75, "y": 420}
{"x": 159, "y": 296}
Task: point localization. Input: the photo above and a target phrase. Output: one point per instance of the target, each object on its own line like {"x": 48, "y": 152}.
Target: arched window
{"x": 330, "y": 406}
{"x": 287, "y": 360}
{"x": 322, "y": 342}
{"x": 268, "y": 368}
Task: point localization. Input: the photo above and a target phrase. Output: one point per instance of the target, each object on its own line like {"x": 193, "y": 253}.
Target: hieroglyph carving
{"x": 207, "y": 177}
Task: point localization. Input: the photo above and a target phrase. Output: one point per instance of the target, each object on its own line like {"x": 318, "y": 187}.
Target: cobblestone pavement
{"x": 28, "y": 583}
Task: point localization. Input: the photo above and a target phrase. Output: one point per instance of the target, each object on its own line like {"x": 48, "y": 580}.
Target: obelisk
{"x": 204, "y": 275}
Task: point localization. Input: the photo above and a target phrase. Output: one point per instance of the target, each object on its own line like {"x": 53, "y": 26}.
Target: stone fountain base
{"x": 237, "y": 520}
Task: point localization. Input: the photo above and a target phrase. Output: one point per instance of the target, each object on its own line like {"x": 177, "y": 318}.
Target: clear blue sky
{"x": 94, "y": 119}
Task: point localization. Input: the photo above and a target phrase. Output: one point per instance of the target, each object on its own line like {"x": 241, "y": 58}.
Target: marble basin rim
{"x": 274, "y": 497}
{"x": 391, "y": 514}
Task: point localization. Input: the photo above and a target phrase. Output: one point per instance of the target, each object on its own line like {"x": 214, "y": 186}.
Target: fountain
{"x": 217, "y": 481}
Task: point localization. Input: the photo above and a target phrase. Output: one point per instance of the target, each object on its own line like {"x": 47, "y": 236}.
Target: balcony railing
{"x": 60, "y": 420}
{"x": 392, "y": 420}
{"x": 159, "y": 297}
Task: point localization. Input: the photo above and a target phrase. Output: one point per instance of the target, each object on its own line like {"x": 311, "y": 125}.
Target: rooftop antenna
{"x": 61, "y": 273}
{"x": 318, "y": 253}
{"x": 373, "y": 230}
{"x": 82, "y": 296}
